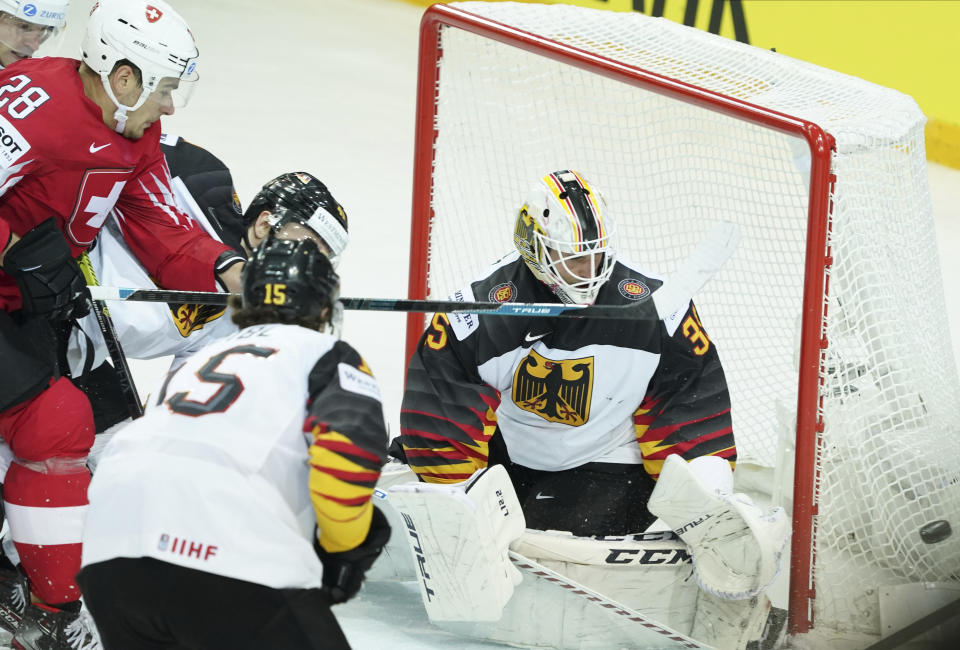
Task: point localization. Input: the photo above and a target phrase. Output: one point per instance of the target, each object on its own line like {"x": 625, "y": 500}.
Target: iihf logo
{"x": 187, "y": 547}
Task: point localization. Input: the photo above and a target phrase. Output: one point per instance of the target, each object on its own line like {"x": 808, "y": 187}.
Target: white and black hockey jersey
{"x": 252, "y": 443}
{"x": 562, "y": 391}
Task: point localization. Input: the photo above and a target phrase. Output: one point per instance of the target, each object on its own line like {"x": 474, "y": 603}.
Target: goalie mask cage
{"x": 830, "y": 318}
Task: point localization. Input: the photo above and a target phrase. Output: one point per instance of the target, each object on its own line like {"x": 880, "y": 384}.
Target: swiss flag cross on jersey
{"x": 153, "y": 14}
{"x": 98, "y": 193}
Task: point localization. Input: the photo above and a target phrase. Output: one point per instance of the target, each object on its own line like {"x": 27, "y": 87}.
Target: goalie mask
{"x": 563, "y": 234}
{"x": 299, "y": 199}
{"x": 293, "y": 277}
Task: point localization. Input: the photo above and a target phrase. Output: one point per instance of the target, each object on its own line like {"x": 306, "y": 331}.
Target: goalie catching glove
{"x": 737, "y": 548}
{"x": 343, "y": 572}
{"x": 50, "y": 281}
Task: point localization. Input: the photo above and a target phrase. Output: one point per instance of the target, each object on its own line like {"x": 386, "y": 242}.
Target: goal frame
{"x": 818, "y": 260}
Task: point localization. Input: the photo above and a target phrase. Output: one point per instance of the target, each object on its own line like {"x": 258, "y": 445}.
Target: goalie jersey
{"x": 563, "y": 392}
{"x": 249, "y": 447}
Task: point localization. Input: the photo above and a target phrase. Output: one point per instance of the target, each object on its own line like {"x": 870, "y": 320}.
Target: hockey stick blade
{"x": 705, "y": 261}
{"x": 102, "y": 315}
{"x": 673, "y": 295}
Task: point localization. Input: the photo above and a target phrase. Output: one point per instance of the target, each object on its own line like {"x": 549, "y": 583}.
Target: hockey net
{"x": 830, "y": 319}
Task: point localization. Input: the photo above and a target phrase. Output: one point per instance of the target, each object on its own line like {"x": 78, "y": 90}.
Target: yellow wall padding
{"x": 909, "y": 45}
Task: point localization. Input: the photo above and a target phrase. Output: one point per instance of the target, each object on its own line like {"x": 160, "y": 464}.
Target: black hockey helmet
{"x": 293, "y": 277}
{"x": 301, "y": 197}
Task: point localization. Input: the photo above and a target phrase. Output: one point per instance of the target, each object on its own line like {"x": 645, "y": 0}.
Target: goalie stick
{"x": 623, "y": 613}
{"x": 673, "y": 295}
{"x": 607, "y": 622}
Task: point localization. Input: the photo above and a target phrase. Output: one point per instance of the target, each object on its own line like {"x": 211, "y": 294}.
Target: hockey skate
{"x": 45, "y": 628}
{"x": 14, "y": 595}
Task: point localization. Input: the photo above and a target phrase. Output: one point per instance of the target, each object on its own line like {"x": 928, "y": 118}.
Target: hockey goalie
{"x": 587, "y": 427}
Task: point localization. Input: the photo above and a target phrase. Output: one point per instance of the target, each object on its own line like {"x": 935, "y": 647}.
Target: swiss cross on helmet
{"x": 300, "y": 197}
{"x": 152, "y": 36}
{"x": 563, "y": 233}
{"x": 293, "y": 277}
{"x": 153, "y": 14}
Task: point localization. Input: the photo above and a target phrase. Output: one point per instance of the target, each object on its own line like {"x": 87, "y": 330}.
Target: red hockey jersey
{"x": 58, "y": 158}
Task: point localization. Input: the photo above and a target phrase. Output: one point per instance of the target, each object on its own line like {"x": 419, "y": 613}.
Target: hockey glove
{"x": 50, "y": 281}
{"x": 343, "y": 572}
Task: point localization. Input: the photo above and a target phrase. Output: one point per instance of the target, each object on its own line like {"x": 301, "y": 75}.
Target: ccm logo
{"x": 647, "y": 556}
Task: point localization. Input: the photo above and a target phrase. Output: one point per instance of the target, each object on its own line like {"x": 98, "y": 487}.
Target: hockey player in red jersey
{"x": 79, "y": 139}
{"x": 213, "y": 497}
{"x": 581, "y": 412}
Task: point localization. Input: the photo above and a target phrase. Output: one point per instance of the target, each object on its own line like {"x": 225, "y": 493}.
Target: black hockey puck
{"x": 935, "y": 531}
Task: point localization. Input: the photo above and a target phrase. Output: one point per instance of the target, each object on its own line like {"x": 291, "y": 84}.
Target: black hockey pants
{"x": 147, "y": 604}
{"x": 596, "y": 499}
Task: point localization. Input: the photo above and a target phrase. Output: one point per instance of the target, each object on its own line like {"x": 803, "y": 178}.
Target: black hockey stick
{"x": 673, "y": 295}
{"x": 99, "y": 309}
{"x": 119, "y": 359}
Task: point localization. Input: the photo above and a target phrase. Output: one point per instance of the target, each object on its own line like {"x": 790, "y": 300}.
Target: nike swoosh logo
{"x": 94, "y": 148}
{"x": 541, "y": 495}
{"x": 531, "y": 339}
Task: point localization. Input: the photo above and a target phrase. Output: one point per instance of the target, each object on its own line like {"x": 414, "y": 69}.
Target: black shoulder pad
{"x": 325, "y": 369}
{"x": 210, "y": 184}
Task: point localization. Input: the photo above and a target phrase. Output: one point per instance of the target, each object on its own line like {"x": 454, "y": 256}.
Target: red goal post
{"x": 681, "y": 128}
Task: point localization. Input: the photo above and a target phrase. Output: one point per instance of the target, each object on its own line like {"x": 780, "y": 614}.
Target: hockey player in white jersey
{"x": 213, "y": 523}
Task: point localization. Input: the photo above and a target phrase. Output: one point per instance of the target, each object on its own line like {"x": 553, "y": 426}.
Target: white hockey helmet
{"x": 563, "y": 233}
{"x": 151, "y": 35}
{"x": 28, "y": 25}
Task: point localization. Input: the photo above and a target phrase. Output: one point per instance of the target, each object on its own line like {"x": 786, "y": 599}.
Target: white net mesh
{"x": 888, "y": 462}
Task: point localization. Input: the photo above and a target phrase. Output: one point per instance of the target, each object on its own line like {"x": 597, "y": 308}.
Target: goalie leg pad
{"x": 730, "y": 624}
{"x": 736, "y": 547}
{"x": 459, "y": 535}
